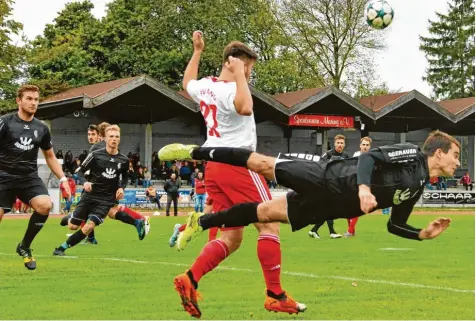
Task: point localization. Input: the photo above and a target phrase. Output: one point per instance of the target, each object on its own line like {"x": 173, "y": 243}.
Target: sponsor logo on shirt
{"x": 24, "y": 143}
{"x": 401, "y": 196}
{"x": 110, "y": 173}
{"x": 396, "y": 153}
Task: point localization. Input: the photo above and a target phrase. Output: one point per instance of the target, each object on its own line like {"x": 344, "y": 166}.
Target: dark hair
{"x": 238, "y": 49}
{"x": 439, "y": 140}
{"x": 26, "y": 88}
{"x": 93, "y": 127}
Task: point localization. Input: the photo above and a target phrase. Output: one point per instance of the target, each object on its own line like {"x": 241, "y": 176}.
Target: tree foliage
{"x": 301, "y": 44}
{"x": 450, "y": 51}
{"x": 11, "y": 56}
{"x": 330, "y": 36}
{"x": 61, "y": 57}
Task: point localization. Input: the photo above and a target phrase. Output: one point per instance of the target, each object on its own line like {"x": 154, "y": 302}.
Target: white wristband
{"x": 63, "y": 179}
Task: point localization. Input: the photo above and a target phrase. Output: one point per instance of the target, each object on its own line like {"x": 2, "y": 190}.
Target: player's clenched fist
{"x": 235, "y": 65}
{"x": 368, "y": 203}
{"x": 198, "y": 43}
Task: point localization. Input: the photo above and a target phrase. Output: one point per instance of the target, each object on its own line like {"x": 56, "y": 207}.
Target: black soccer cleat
{"x": 59, "y": 252}
{"x": 65, "y": 220}
{"x": 28, "y": 259}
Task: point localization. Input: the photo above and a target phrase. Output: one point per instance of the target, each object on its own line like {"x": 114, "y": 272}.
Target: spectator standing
{"x": 171, "y": 187}
{"x": 466, "y": 181}
{"x": 200, "y": 192}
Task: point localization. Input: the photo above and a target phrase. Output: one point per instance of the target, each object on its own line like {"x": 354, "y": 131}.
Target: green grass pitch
{"x": 124, "y": 278}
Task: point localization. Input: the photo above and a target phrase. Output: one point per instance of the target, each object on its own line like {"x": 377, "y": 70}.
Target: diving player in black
{"x": 107, "y": 180}
{"x": 21, "y": 136}
{"x": 388, "y": 176}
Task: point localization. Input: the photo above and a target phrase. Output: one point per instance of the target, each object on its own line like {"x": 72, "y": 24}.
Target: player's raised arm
{"x": 191, "y": 72}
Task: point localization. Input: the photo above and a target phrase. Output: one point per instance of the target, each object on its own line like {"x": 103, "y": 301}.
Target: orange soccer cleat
{"x": 286, "y": 304}
{"x": 188, "y": 295}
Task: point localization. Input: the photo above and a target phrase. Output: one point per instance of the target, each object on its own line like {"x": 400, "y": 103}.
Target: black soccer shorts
{"x": 25, "y": 188}
{"x": 90, "y": 208}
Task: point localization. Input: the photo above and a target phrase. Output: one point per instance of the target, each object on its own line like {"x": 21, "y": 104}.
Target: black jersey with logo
{"x": 107, "y": 173}
{"x": 396, "y": 175}
{"x": 19, "y": 144}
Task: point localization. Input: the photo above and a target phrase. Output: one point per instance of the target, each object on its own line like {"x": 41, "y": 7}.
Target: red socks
{"x": 352, "y": 222}
{"x": 212, "y": 254}
{"x": 269, "y": 255}
{"x": 130, "y": 212}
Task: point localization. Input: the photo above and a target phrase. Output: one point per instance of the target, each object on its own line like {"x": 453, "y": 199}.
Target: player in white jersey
{"x": 227, "y": 108}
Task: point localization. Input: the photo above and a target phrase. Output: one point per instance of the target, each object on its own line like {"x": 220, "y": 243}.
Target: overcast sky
{"x": 401, "y": 65}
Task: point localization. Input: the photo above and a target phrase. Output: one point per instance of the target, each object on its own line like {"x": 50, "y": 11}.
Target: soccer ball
{"x": 156, "y": 213}
{"x": 378, "y": 14}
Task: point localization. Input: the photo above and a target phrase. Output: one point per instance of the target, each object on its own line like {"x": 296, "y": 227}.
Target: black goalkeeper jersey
{"x": 19, "y": 144}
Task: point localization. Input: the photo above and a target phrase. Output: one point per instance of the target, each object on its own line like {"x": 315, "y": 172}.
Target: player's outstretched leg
{"x": 238, "y": 215}
{"x": 258, "y": 163}
{"x": 128, "y": 216}
{"x": 137, "y": 216}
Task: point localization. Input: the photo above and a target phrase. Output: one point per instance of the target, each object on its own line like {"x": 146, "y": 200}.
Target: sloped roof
{"x": 90, "y": 90}
{"x": 285, "y": 104}
{"x": 378, "y": 102}
{"x": 290, "y": 99}
{"x": 456, "y": 106}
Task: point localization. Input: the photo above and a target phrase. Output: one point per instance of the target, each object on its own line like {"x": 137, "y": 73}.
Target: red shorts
{"x": 230, "y": 185}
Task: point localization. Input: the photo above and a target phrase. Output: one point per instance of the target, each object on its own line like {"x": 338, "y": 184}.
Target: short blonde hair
{"x": 339, "y": 136}
{"x": 25, "y": 88}
{"x": 112, "y": 127}
{"x": 366, "y": 138}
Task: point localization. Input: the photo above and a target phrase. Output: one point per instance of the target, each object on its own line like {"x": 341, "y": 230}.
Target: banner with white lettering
{"x": 321, "y": 121}
{"x": 437, "y": 197}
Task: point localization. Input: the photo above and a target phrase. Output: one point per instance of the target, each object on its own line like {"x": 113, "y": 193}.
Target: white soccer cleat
{"x": 335, "y": 236}
{"x": 313, "y": 235}
{"x": 147, "y": 224}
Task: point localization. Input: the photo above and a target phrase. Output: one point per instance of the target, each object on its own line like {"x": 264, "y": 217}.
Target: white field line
{"x": 299, "y": 274}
